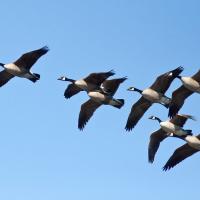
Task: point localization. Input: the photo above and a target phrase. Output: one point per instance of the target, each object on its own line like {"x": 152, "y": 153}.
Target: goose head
{"x": 134, "y": 89}
{"x": 64, "y": 78}
{"x": 155, "y": 118}
{"x": 1, "y": 64}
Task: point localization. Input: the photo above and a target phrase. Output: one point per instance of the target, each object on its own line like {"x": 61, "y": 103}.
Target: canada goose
{"x": 191, "y": 147}
{"x": 98, "y": 98}
{"x": 190, "y": 85}
{"x": 22, "y": 66}
{"x": 90, "y": 83}
{"x": 174, "y": 125}
{"x": 153, "y": 94}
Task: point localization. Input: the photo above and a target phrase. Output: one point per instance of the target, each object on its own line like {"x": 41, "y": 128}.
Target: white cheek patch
{"x": 170, "y": 74}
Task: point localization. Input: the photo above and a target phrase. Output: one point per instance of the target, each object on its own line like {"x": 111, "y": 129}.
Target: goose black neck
{"x": 70, "y": 80}
{"x": 158, "y": 119}
{"x": 179, "y": 77}
{"x": 1, "y": 64}
{"x": 137, "y": 90}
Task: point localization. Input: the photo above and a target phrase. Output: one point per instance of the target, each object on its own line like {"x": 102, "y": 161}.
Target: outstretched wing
{"x": 137, "y": 111}
{"x": 5, "y": 77}
{"x": 27, "y": 60}
{"x": 71, "y": 90}
{"x": 111, "y": 86}
{"x": 177, "y": 101}
{"x": 179, "y": 155}
{"x": 98, "y": 78}
{"x": 196, "y": 76}
{"x": 180, "y": 119}
{"x": 155, "y": 139}
{"x": 164, "y": 81}
{"x": 87, "y": 110}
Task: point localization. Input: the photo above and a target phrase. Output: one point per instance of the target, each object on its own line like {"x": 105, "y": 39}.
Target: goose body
{"x": 193, "y": 141}
{"x": 173, "y": 126}
{"x": 169, "y": 127}
{"x": 90, "y": 83}
{"x": 105, "y": 99}
{"x": 191, "y": 84}
{"x": 14, "y": 69}
{"x": 19, "y": 72}
{"x": 191, "y": 147}
{"x": 21, "y": 67}
{"x": 98, "y": 98}
{"x": 154, "y": 94}
{"x": 83, "y": 85}
{"x": 155, "y": 97}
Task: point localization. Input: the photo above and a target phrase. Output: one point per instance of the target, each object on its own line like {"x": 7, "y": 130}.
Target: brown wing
{"x": 179, "y": 155}
{"x": 27, "y": 60}
{"x": 5, "y": 77}
{"x": 87, "y": 110}
{"x": 178, "y": 98}
{"x": 198, "y": 136}
{"x": 155, "y": 139}
{"x": 98, "y": 78}
{"x": 164, "y": 81}
{"x": 71, "y": 90}
{"x": 180, "y": 119}
{"x": 196, "y": 76}
{"x": 111, "y": 86}
{"x": 137, "y": 111}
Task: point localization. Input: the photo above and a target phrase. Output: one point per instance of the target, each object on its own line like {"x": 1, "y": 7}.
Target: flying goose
{"x": 100, "y": 97}
{"x": 190, "y": 85}
{"x": 191, "y": 147}
{"x": 174, "y": 125}
{"x": 153, "y": 94}
{"x": 92, "y": 82}
{"x": 22, "y": 66}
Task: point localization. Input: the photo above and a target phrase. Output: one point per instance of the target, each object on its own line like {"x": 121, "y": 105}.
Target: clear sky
{"x": 43, "y": 155}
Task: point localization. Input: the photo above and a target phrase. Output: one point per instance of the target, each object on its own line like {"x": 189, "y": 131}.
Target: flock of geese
{"x": 101, "y": 91}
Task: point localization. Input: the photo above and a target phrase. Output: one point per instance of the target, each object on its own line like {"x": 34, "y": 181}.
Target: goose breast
{"x": 151, "y": 95}
{"x": 191, "y": 84}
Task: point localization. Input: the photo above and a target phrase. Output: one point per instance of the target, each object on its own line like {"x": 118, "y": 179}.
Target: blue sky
{"x": 43, "y": 155}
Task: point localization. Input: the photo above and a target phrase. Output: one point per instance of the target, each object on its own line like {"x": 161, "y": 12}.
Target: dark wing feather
{"x": 111, "y": 86}
{"x": 5, "y": 77}
{"x": 196, "y": 76}
{"x": 27, "y": 60}
{"x": 71, "y": 91}
{"x": 178, "y": 98}
{"x": 155, "y": 139}
{"x": 98, "y": 78}
{"x": 137, "y": 111}
{"x": 179, "y": 155}
{"x": 198, "y": 136}
{"x": 164, "y": 81}
{"x": 87, "y": 110}
{"x": 180, "y": 120}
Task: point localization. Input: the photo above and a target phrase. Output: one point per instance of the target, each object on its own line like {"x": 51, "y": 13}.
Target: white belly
{"x": 97, "y": 96}
{"x": 193, "y": 142}
{"x": 13, "y": 69}
{"x": 191, "y": 84}
{"x": 151, "y": 95}
{"x": 81, "y": 84}
{"x": 171, "y": 128}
